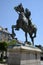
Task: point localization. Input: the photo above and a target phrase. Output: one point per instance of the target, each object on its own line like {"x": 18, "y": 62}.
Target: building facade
{"x": 4, "y": 34}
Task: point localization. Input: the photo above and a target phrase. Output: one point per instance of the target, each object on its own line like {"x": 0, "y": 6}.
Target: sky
{"x": 8, "y": 17}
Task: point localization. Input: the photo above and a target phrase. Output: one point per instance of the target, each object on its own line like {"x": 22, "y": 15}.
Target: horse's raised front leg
{"x": 13, "y": 33}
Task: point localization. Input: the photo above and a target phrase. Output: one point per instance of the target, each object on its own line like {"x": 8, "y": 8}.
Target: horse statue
{"x": 24, "y": 22}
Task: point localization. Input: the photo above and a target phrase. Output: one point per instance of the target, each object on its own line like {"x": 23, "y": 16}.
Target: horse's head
{"x": 19, "y": 8}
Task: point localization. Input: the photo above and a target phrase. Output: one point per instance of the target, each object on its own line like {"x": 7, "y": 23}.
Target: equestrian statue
{"x": 24, "y": 22}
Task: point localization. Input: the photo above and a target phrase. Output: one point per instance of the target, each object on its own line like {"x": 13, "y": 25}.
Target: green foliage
{"x": 3, "y": 45}
{"x": 13, "y": 41}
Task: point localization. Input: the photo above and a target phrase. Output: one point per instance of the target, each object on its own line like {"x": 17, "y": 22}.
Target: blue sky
{"x": 8, "y": 17}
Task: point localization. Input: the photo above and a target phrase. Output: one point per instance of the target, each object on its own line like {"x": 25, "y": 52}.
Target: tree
{"x": 3, "y": 47}
{"x": 12, "y": 42}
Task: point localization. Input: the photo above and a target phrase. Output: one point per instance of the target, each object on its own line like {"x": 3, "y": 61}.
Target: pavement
{"x": 3, "y": 64}
{"x": 6, "y": 64}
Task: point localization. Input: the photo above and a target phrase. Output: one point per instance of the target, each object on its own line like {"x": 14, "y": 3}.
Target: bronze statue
{"x": 24, "y": 22}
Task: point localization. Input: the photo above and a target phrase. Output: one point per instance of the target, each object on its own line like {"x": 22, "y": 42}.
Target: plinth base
{"x": 22, "y": 55}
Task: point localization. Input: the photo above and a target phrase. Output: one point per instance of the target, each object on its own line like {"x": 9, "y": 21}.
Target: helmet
{"x": 28, "y": 12}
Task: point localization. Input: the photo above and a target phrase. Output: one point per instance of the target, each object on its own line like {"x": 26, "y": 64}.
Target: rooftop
{"x": 4, "y": 30}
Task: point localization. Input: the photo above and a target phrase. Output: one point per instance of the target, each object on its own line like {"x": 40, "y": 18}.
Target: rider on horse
{"x": 24, "y": 22}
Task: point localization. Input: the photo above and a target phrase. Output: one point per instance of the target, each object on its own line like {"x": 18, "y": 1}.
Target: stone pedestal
{"x": 23, "y": 55}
